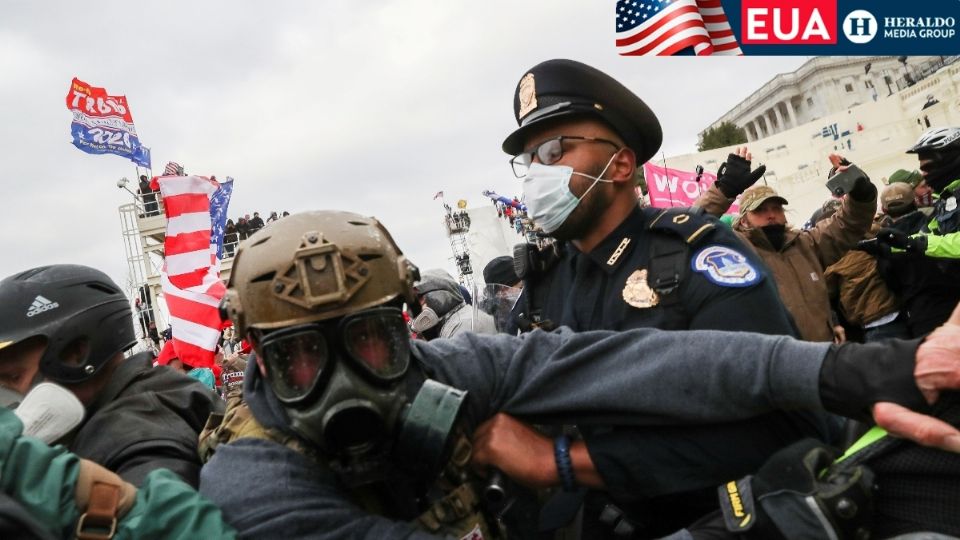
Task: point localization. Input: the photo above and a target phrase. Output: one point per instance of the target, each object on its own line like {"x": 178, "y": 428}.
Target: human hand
{"x": 873, "y": 247}
{"x": 891, "y": 239}
{"x": 938, "y": 359}
{"x": 937, "y": 368}
{"x": 839, "y": 334}
{"x": 918, "y": 427}
{"x": 734, "y": 176}
{"x": 518, "y": 450}
{"x": 797, "y": 493}
{"x": 838, "y": 163}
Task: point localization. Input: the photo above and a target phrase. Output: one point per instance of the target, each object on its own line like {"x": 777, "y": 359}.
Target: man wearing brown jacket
{"x": 797, "y": 258}
{"x": 854, "y": 282}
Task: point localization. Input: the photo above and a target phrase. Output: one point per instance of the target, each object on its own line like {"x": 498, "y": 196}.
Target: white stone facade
{"x": 873, "y": 134}
{"x": 823, "y": 86}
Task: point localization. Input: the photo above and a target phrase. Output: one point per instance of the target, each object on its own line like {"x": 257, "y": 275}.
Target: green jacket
{"x": 42, "y": 479}
{"x": 945, "y": 244}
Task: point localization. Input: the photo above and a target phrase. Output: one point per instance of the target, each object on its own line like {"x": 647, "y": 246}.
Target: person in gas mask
{"x": 353, "y": 430}
{"x": 444, "y": 312}
{"x": 919, "y": 253}
{"x": 797, "y": 258}
{"x": 71, "y": 324}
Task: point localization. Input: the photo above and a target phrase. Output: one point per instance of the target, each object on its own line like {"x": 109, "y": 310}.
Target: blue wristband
{"x": 561, "y": 452}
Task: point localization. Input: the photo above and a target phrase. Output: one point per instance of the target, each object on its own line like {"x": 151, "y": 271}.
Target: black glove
{"x": 854, "y": 376}
{"x": 874, "y": 247}
{"x": 734, "y": 176}
{"x": 792, "y": 496}
{"x": 853, "y": 181}
{"x": 897, "y": 239}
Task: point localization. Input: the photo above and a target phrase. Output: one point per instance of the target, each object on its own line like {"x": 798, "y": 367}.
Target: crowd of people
{"x": 241, "y": 229}
{"x": 659, "y": 375}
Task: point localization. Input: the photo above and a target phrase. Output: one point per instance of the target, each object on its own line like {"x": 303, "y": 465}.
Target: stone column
{"x": 791, "y": 113}
{"x": 780, "y": 123}
{"x": 770, "y": 118}
{"x": 751, "y": 130}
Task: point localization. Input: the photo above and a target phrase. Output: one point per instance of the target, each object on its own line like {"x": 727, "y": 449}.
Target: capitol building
{"x": 868, "y": 109}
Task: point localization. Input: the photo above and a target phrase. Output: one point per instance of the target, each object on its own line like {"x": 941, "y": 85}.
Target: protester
{"x": 255, "y": 224}
{"x": 445, "y": 312}
{"x": 332, "y": 371}
{"x": 919, "y": 255}
{"x": 74, "y": 331}
{"x": 862, "y": 296}
{"x": 797, "y": 258}
{"x": 231, "y": 237}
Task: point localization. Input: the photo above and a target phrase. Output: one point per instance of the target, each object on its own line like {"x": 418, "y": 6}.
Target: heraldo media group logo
{"x": 916, "y": 28}
{"x": 847, "y": 24}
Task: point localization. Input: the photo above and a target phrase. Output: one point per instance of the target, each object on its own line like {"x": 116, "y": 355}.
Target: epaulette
{"x": 690, "y": 224}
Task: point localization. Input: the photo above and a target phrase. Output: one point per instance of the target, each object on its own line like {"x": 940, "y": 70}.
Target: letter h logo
{"x": 860, "y": 26}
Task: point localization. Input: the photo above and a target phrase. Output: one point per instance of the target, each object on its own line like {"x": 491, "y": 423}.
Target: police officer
{"x": 345, "y": 431}
{"x": 580, "y": 139}
{"x": 919, "y": 253}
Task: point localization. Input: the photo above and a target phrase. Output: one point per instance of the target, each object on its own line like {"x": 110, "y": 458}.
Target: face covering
{"x": 923, "y": 201}
{"x": 776, "y": 234}
{"x": 426, "y": 320}
{"x": 546, "y": 192}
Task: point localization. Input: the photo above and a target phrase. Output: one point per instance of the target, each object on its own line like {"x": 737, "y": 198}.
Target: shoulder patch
{"x": 725, "y": 266}
{"x": 690, "y": 224}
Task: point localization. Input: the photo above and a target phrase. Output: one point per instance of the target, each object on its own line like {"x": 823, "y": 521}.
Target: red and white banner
{"x": 673, "y": 187}
{"x": 190, "y": 278}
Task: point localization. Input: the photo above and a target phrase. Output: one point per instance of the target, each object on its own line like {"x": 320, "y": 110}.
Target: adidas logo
{"x": 41, "y": 304}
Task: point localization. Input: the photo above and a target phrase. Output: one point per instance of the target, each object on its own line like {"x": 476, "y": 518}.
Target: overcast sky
{"x": 368, "y": 106}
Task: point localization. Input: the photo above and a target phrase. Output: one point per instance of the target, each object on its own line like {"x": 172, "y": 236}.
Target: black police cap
{"x": 558, "y": 88}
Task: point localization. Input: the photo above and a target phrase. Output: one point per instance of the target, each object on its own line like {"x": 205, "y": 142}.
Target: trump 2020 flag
{"x": 218, "y": 214}
{"x": 190, "y": 277}
{"x": 667, "y": 27}
{"x": 102, "y": 124}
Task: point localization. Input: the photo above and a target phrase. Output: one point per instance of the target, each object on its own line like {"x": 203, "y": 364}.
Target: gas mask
{"x": 346, "y": 388}
{"x": 426, "y": 320}
{"x": 546, "y": 192}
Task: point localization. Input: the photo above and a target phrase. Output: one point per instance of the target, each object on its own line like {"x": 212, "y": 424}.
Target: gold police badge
{"x": 527, "y": 94}
{"x": 638, "y": 293}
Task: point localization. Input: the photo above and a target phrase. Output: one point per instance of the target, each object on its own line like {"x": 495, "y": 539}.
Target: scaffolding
{"x": 146, "y": 320}
{"x": 457, "y": 225}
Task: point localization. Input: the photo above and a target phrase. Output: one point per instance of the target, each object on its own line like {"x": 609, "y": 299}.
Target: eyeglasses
{"x": 549, "y": 152}
{"x": 300, "y": 357}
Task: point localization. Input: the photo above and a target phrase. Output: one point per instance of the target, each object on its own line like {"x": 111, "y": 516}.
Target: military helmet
{"x": 75, "y": 308}
{"x": 314, "y": 266}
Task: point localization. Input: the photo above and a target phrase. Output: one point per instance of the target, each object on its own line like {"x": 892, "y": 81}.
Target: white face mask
{"x": 546, "y": 192}
{"x": 426, "y": 320}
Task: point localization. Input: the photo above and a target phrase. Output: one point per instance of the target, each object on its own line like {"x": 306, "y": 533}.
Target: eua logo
{"x": 789, "y": 22}
{"x": 860, "y": 26}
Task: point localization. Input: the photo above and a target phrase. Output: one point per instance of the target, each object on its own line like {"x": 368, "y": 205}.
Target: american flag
{"x": 190, "y": 277}
{"x": 438, "y": 195}
{"x": 666, "y": 27}
{"x": 218, "y": 214}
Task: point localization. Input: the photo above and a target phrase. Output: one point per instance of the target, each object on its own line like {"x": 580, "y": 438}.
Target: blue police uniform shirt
{"x": 725, "y": 287}
{"x": 664, "y": 478}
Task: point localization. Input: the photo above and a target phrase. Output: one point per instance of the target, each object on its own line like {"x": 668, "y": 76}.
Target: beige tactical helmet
{"x": 314, "y": 266}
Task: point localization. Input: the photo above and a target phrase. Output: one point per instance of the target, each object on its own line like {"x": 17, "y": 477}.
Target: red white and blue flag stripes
{"x": 668, "y": 27}
{"x": 190, "y": 277}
